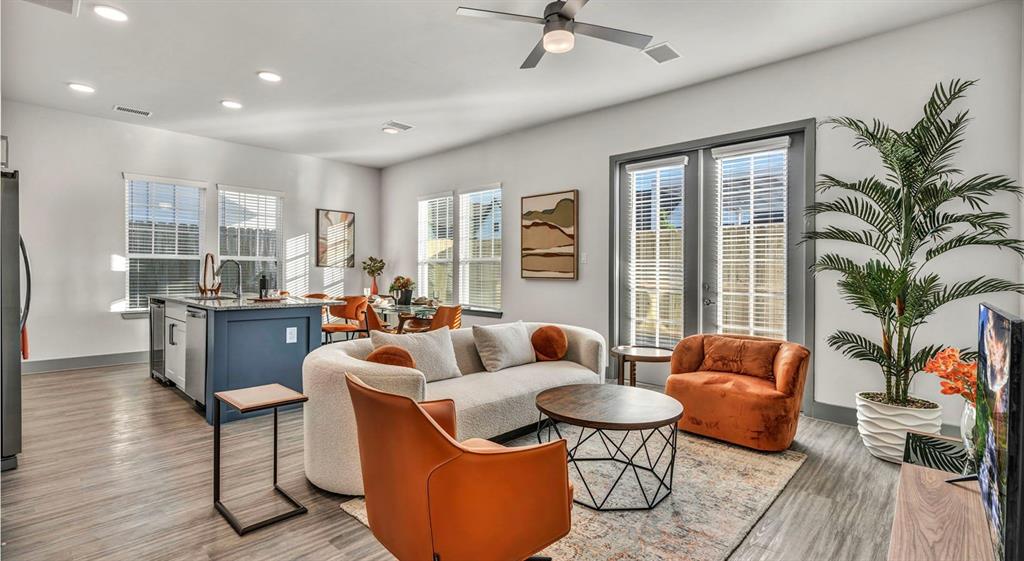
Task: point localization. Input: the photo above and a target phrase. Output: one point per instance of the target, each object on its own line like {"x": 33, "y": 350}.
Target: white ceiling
{"x": 348, "y": 66}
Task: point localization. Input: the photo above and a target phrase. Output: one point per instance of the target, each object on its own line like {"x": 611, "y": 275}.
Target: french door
{"x": 706, "y": 241}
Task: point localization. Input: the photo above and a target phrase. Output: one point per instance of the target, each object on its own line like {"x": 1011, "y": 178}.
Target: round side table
{"x": 634, "y": 354}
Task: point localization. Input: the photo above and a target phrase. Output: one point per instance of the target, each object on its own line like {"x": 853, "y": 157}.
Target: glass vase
{"x": 967, "y": 421}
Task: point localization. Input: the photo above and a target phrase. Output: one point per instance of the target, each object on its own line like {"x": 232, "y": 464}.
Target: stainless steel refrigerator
{"x": 14, "y": 304}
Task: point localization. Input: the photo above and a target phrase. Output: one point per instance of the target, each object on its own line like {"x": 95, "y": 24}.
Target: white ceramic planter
{"x": 883, "y": 428}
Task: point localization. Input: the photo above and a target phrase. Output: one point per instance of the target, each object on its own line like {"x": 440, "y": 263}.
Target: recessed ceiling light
{"x": 230, "y": 104}
{"x": 83, "y": 88}
{"x": 268, "y": 76}
{"x": 109, "y": 12}
{"x": 394, "y": 127}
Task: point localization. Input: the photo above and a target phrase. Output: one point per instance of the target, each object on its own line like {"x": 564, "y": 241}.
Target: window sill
{"x": 481, "y": 313}
{"x": 134, "y": 315}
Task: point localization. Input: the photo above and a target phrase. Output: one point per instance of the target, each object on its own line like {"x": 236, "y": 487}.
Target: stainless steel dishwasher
{"x": 195, "y": 355}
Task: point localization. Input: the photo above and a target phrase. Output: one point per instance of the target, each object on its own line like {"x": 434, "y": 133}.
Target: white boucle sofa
{"x": 487, "y": 404}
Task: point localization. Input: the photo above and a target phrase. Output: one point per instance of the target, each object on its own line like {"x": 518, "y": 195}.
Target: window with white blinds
{"x": 251, "y": 231}
{"x": 655, "y": 252}
{"x": 435, "y": 253}
{"x": 479, "y": 265}
{"x": 164, "y": 226}
{"x": 752, "y": 192}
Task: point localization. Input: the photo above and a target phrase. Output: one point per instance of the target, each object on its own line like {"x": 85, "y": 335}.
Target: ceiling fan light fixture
{"x": 558, "y": 38}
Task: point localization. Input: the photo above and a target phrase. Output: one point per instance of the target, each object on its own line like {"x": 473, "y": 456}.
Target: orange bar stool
{"x": 353, "y": 309}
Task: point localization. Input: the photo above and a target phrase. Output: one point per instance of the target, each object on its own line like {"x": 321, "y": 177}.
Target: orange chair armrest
{"x": 442, "y": 412}
{"x": 507, "y": 502}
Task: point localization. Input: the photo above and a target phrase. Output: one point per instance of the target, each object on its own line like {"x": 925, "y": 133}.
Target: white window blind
{"x": 752, "y": 191}
{"x": 655, "y": 252}
{"x": 435, "y": 248}
{"x": 251, "y": 231}
{"x": 480, "y": 249}
{"x": 163, "y": 222}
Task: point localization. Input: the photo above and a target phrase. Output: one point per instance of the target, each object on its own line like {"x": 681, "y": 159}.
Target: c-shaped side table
{"x": 247, "y": 400}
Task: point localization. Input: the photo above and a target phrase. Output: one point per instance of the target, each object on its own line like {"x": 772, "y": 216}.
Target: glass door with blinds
{"x": 745, "y": 250}
{"x": 707, "y": 241}
{"x": 659, "y": 247}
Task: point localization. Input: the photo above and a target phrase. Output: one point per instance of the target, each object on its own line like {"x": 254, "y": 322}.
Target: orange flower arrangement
{"x": 958, "y": 377}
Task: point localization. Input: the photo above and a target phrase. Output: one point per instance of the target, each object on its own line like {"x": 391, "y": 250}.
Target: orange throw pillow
{"x": 550, "y": 343}
{"x": 742, "y": 356}
{"x": 392, "y": 355}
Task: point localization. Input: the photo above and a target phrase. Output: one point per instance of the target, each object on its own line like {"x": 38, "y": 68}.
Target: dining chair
{"x": 374, "y": 323}
{"x": 450, "y": 316}
{"x": 352, "y": 309}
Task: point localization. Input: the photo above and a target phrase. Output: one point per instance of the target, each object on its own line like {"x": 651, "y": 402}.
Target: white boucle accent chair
{"x": 487, "y": 404}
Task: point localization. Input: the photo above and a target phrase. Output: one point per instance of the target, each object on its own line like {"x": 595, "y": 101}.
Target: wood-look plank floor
{"x": 116, "y": 467}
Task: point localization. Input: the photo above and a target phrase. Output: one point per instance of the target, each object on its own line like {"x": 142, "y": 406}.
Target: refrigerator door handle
{"x": 28, "y": 282}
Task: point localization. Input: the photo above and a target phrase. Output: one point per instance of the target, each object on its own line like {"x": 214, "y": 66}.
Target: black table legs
{"x": 646, "y": 457}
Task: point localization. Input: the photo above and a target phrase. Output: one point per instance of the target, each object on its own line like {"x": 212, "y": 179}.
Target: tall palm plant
{"x": 923, "y": 208}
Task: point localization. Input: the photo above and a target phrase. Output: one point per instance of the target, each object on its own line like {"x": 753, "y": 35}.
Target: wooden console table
{"x": 938, "y": 520}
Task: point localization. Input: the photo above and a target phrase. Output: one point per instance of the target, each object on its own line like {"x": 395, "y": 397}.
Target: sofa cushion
{"x": 744, "y": 356}
{"x": 432, "y": 351}
{"x": 550, "y": 343}
{"x": 392, "y": 355}
{"x": 727, "y": 384}
{"x": 503, "y": 346}
{"x": 488, "y": 404}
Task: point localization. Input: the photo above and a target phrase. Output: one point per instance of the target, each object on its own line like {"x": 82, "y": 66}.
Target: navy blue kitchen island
{"x": 201, "y": 346}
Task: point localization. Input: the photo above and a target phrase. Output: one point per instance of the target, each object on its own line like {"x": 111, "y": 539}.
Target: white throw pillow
{"x": 432, "y": 351}
{"x": 503, "y": 346}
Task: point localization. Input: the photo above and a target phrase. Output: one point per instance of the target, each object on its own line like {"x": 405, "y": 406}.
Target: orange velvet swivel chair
{"x": 450, "y": 316}
{"x": 429, "y": 497}
{"x": 354, "y": 309}
{"x": 741, "y": 389}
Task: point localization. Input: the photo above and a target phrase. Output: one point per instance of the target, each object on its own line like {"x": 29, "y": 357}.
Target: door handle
{"x": 707, "y": 301}
{"x": 170, "y": 335}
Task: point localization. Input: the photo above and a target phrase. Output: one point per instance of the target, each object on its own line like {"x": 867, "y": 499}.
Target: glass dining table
{"x": 397, "y": 310}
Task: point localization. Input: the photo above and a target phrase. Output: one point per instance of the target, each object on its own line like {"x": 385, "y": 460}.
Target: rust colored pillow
{"x": 549, "y": 343}
{"x": 742, "y": 356}
{"x": 392, "y": 355}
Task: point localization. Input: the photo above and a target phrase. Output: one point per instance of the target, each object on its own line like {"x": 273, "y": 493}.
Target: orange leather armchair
{"x": 741, "y": 389}
{"x": 429, "y": 497}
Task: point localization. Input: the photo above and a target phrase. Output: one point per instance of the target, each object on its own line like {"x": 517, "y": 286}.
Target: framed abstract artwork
{"x": 335, "y": 238}
{"x": 548, "y": 236}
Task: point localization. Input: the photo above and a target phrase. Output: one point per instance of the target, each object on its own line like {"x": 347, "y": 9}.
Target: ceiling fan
{"x": 560, "y": 27}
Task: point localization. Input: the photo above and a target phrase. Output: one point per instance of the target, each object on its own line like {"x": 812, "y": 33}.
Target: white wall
{"x": 887, "y": 76}
{"x": 72, "y": 214}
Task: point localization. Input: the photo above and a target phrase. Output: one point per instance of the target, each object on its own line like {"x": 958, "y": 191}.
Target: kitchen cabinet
{"x": 212, "y": 345}
{"x": 174, "y": 351}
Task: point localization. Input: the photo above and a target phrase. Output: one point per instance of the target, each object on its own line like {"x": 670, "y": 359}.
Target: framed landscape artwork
{"x": 335, "y": 238}
{"x": 548, "y": 235}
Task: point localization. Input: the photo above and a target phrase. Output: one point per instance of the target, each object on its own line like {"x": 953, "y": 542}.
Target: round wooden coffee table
{"x": 634, "y": 354}
{"x": 646, "y": 420}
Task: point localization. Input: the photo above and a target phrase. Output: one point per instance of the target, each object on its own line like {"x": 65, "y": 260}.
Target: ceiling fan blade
{"x": 620, "y": 36}
{"x": 537, "y": 52}
{"x": 572, "y": 7}
{"x": 475, "y": 12}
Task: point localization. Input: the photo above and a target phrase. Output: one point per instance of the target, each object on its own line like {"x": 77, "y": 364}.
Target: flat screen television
{"x": 999, "y": 430}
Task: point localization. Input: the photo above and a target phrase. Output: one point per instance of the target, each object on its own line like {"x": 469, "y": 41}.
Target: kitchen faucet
{"x": 238, "y": 292}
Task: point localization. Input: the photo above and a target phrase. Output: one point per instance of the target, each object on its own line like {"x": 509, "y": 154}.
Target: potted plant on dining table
{"x": 373, "y": 266}
{"x": 401, "y": 288}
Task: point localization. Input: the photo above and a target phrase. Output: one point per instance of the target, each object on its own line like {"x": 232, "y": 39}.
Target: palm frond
{"x": 869, "y": 238}
{"x": 858, "y": 207}
{"x": 965, "y": 289}
{"x": 858, "y": 347}
{"x": 976, "y": 190}
{"x": 983, "y": 238}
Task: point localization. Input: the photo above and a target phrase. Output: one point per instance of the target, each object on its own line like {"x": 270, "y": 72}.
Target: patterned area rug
{"x": 719, "y": 493}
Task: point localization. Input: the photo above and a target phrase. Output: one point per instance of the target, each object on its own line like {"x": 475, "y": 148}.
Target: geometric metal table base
{"x": 227, "y": 514}
{"x": 662, "y": 439}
